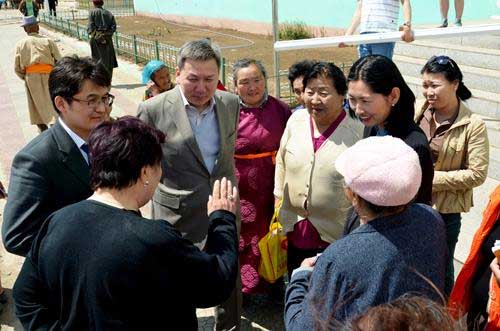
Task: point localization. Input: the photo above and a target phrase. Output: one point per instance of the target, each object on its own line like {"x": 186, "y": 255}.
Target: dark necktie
{"x": 85, "y": 148}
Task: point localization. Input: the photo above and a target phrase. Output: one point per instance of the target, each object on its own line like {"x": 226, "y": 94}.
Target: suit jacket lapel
{"x": 70, "y": 154}
{"x": 179, "y": 116}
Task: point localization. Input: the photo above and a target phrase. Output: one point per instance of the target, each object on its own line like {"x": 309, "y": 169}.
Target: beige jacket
{"x": 31, "y": 50}
{"x": 462, "y": 162}
{"x": 304, "y": 176}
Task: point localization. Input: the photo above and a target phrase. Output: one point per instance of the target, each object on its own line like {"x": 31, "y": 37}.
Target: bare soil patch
{"x": 232, "y": 42}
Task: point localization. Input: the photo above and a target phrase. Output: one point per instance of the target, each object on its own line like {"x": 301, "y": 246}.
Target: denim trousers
{"x": 385, "y": 49}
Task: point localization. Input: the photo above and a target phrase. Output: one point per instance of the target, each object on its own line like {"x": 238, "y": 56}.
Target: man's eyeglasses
{"x": 107, "y": 100}
{"x": 444, "y": 60}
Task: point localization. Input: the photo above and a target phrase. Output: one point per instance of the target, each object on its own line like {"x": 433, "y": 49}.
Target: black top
{"x": 96, "y": 267}
{"x": 416, "y": 139}
{"x": 481, "y": 281}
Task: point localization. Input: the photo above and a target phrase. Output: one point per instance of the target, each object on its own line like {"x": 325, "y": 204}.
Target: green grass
{"x": 294, "y": 30}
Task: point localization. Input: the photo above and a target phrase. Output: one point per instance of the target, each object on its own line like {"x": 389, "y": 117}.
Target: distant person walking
{"x": 375, "y": 16}
{"x": 444, "y": 5}
{"x": 29, "y": 8}
{"x": 52, "y": 7}
{"x": 35, "y": 56}
{"x": 101, "y": 27}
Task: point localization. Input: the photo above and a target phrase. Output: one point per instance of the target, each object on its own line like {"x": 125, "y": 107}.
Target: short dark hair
{"x": 445, "y": 65}
{"x": 198, "y": 50}
{"x": 299, "y": 69}
{"x": 120, "y": 149}
{"x": 69, "y": 74}
{"x": 330, "y": 71}
{"x": 382, "y": 75}
{"x": 376, "y": 209}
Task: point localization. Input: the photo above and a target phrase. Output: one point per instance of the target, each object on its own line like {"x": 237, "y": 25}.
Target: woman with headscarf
{"x": 157, "y": 77}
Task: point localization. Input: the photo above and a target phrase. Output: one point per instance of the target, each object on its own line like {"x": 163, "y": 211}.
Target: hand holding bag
{"x": 273, "y": 251}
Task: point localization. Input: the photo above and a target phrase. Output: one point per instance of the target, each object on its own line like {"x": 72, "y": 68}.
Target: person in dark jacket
{"x": 52, "y": 7}
{"x": 52, "y": 170}
{"x": 397, "y": 249}
{"x": 101, "y": 27}
{"x": 381, "y": 99}
{"x": 99, "y": 265}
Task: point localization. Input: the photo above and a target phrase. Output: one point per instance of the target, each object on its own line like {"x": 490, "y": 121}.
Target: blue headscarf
{"x": 150, "y": 68}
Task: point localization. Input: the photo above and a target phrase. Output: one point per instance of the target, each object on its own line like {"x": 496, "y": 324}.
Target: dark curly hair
{"x": 120, "y": 149}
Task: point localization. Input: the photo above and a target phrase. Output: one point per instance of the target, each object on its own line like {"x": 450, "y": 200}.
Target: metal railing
{"x": 142, "y": 50}
{"x": 117, "y": 7}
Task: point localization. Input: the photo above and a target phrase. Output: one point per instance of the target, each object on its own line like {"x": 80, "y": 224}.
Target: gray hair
{"x": 245, "y": 63}
{"x": 198, "y": 50}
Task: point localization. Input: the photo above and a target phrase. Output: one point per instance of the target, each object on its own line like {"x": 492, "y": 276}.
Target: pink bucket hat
{"x": 382, "y": 170}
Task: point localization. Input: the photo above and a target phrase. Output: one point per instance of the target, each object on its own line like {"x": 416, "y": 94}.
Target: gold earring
{"x": 146, "y": 183}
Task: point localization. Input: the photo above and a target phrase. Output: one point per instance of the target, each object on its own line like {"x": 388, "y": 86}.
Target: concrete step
{"x": 473, "y": 56}
{"x": 493, "y": 127}
{"x": 474, "y": 78}
{"x": 487, "y": 104}
{"x": 482, "y": 41}
{"x": 494, "y": 166}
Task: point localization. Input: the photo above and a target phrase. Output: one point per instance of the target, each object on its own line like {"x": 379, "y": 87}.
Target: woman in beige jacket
{"x": 459, "y": 146}
{"x": 314, "y": 206}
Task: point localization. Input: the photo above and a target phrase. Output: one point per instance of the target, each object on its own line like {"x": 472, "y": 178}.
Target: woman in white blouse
{"x": 314, "y": 207}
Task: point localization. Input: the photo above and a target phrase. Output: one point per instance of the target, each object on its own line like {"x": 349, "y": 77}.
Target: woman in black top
{"x": 99, "y": 265}
{"x": 381, "y": 99}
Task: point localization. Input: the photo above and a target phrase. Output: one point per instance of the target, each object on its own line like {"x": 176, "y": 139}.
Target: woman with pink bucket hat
{"x": 398, "y": 248}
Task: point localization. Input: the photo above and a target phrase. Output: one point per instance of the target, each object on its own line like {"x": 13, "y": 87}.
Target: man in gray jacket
{"x": 200, "y": 123}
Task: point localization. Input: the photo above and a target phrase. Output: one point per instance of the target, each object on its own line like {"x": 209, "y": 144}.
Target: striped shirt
{"x": 379, "y": 15}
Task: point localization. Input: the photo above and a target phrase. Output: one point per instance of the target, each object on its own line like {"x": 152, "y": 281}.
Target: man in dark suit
{"x": 200, "y": 124}
{"x": 52, "y": 171}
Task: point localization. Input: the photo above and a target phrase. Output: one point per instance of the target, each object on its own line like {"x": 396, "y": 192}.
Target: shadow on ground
{"x": 261, "y": 312}
{"x": 7, "y": 317}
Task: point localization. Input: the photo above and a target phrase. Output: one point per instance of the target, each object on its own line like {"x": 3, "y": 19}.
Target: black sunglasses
{"x": 443, "y": 60}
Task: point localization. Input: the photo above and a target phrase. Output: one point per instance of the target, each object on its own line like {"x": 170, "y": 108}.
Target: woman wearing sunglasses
{"x": 458, "y": 143}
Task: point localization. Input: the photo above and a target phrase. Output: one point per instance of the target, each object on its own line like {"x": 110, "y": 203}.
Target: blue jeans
{"x": 452, "y": 223}
{"x": 385, "y": 49}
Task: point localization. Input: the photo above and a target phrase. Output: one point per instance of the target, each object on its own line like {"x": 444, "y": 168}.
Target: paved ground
{"x": 15, "y": 131}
